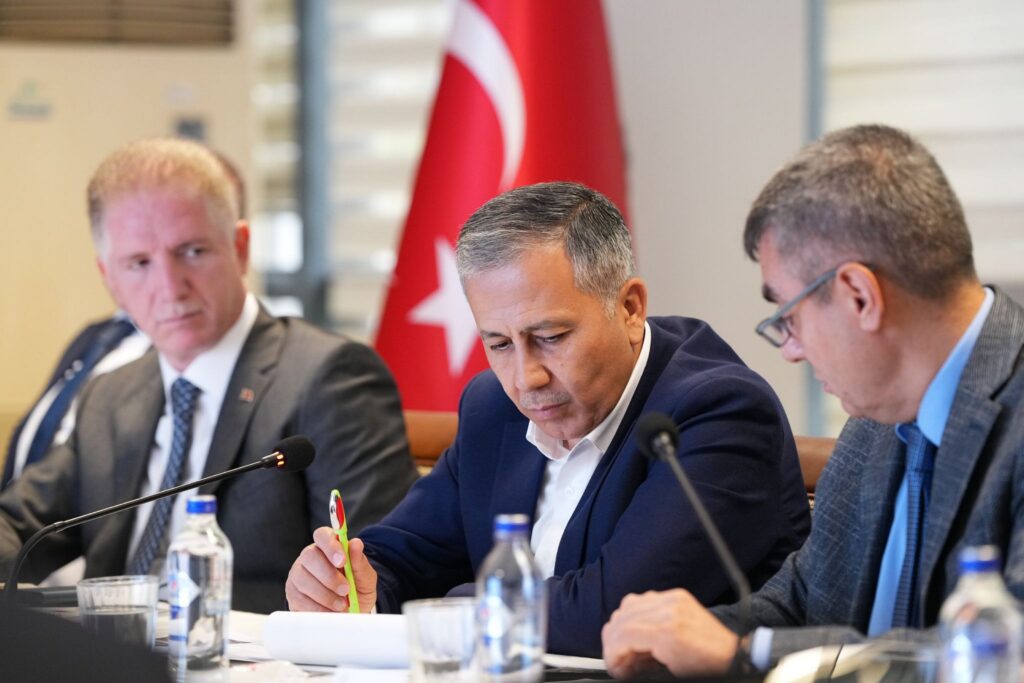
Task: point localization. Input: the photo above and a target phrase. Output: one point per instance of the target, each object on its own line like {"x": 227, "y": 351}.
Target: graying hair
{"x": 164, "y": 164}
{"x": 585, "y": 222}
{"x": 872, "y": 194}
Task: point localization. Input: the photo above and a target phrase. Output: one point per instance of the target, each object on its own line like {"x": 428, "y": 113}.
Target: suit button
{"x": 75, "y": 368}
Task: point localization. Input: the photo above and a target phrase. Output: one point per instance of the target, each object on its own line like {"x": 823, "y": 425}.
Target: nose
{"x": 530, "y": 374}
{"x": 792, "y": 350}
{"x": 170, "y": 278}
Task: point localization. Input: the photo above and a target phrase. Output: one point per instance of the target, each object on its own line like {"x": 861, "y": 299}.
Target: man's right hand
{"x": 316, "y": 581}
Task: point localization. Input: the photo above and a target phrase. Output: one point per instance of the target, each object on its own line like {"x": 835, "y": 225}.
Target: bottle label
{"x": 181, "y": 590}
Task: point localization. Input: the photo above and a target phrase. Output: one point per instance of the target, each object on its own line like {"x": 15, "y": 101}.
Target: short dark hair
{"x": 872, "y": 194}
{"x": 582, "y": 220}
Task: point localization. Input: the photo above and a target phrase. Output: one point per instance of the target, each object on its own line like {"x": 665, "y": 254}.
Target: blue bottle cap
{"x": 979, "y": 558}
{"x": 506, "y": 525}
{"x": 202, "y": 505}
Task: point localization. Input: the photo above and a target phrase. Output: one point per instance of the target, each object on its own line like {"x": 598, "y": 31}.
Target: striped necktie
{"x": 183, "y": 405}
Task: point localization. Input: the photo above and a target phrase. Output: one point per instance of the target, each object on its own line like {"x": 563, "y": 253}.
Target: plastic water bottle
{"x": 199, "y": 563}
{"x": 981, "y": 624}
{"x": 511, "y": 607}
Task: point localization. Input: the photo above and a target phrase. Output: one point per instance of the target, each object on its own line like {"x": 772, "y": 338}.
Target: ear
{"x": 861, "y": 291}
{"x": 241, "y": 242}
{"x": 632, "y": 302}
{"x": 104, "y": 273}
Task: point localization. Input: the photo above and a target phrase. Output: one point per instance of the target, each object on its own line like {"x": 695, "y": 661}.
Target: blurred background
{"x": 324, "y": 106}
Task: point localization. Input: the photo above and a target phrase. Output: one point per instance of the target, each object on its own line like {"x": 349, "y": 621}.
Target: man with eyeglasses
{"x": 863, "y": 243}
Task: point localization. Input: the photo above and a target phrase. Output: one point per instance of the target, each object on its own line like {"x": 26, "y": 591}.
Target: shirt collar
{"x": 211, "y": 370}
{"x": 938, "y": 398}
{"x": 600, "y": 436}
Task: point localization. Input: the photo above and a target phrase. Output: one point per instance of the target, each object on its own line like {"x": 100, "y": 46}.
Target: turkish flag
{"x": 526, "y": 96}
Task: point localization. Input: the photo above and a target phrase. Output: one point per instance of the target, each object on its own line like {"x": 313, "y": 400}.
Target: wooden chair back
{"x": 431, "y": 432}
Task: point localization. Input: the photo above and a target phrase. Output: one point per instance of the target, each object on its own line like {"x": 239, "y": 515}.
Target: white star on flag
{"x": 447, "y": 308}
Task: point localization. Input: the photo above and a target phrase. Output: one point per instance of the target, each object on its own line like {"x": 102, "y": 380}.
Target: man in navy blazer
{"x": 548, "y": 431}
{"x": 864, "y": 246}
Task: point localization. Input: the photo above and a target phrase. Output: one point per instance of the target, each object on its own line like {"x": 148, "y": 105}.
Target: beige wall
{"x": 98, "y": 98}
{"x": 713, "y": 96}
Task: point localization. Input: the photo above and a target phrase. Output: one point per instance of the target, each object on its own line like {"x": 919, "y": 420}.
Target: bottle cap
{"x": 979, "y": 558}
{"x": 506, "y": 525}
{"x": 202, "y": 505}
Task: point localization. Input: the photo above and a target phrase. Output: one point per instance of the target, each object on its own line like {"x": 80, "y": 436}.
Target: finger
{"x": 322, "y": 570}
{"x": 656, "y": 606}
{"x": 632, "y": 665}
{"x": 364, "y": 574}
{"x": 327, "y": 541}
{"x": 305, "y": 593}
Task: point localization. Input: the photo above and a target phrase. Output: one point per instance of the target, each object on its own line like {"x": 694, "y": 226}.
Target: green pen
{"x": 340, "y": 526}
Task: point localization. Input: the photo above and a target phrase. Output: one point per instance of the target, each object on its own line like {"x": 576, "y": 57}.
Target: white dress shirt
{"x": 569, "y": 470}
{"x": 131, "y": 348}
{"x": 211, "y": 372}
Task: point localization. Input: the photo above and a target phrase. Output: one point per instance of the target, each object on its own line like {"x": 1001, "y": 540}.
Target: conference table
{"x": 344, "y": 648}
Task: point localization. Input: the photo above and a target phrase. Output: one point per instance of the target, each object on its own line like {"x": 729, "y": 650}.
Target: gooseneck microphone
{"x": 291, "y": 455}
{"x": 657, "y": 437}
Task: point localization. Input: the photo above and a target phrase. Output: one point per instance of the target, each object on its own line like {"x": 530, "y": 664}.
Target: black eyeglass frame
{"x": 776, "y": 324}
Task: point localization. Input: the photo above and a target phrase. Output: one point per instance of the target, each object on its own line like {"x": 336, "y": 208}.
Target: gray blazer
{"x": 291, "y": 378}
{"x": 824, "y": 592}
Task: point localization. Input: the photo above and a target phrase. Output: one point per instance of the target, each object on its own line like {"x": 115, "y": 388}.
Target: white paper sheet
{"x": 362, "y": 640}
{"x": 318, "y": 641}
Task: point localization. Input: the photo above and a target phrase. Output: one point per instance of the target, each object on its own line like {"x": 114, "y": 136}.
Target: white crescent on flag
{"x": 477, "y": 43}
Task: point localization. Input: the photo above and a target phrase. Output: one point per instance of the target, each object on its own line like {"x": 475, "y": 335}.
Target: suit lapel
{"x": 971, "y": 420}
{"x": 246, "y": 389}
{"x": 572, "y": 550}
{"x": 519, "y": 474}
{"x": 135, "y": 420}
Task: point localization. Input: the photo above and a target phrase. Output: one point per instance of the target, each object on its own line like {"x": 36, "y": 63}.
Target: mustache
{"x": 178, "y": 309}
{"x": 539, "y": 399}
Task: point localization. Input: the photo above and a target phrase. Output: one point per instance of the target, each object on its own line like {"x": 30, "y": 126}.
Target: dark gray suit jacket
{"x": 825, "y": 591}
{"x": 291, "y": 378}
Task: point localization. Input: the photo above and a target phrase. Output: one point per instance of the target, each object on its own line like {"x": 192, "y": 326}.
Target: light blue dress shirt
{"x": 931, "y": 420}
{"x": 932, "y": 415}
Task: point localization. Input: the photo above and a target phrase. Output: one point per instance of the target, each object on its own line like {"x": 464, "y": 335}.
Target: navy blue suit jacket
{"x": 633, "y": 530}
{"x": 76, "y": 350}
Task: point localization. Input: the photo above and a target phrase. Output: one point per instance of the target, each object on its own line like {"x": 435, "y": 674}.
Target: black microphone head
{"x": 651, "y": 426}
{"x": 297, "y": 451}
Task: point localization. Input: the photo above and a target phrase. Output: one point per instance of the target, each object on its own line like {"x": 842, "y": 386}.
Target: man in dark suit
{"x": 549, "y": 432}
{"x": 863, "y": 243}
{"x": 223, "y": 384}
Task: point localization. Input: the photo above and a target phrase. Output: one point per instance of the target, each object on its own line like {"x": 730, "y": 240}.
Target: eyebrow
{"x": 769, "y": 294}
{"x": 530, "y": 329}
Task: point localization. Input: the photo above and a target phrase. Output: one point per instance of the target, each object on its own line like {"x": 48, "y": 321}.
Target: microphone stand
{"x": 11, "y": 588}
{"x": 665, "y": 449}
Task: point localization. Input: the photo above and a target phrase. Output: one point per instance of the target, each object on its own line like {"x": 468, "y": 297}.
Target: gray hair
{"x": 582, "y": 220}
{"x": 164, "y": 164}
{"x": 868, "y": 193}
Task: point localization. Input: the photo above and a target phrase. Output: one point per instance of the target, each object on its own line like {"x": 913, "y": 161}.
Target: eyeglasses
{"x": 776, "y": 328}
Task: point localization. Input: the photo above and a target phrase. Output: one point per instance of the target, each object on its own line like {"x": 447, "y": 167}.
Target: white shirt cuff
{"x": 761, "y": 648}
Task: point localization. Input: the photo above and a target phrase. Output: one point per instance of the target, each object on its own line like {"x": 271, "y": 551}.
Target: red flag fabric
{"x": 526, "y": 96}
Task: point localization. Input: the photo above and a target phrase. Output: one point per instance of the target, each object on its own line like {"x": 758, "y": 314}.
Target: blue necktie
{"x": 108, "y": 338}
{"x": 183, "y": 405}
{"x": 920, "y": 463}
